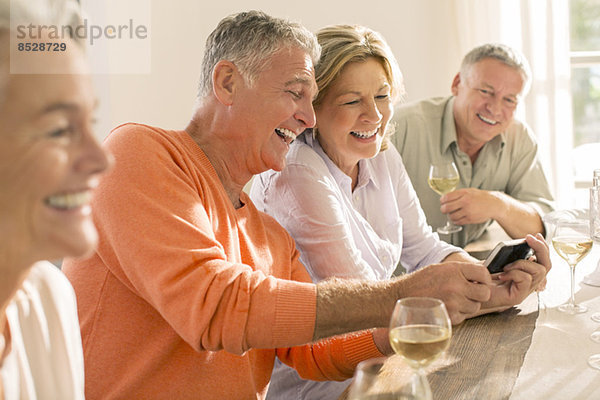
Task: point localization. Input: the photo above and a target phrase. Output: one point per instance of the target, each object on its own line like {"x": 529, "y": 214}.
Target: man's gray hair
{"x": 507, "y": 55}
{"x": 249, "y": 39}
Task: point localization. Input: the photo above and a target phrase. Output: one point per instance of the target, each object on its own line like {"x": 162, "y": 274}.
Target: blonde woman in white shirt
{"x": 344, "y": 194}
{"x": 49, "y": 163}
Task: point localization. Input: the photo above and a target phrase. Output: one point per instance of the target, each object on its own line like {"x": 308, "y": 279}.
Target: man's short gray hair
{"x": 507, "y": 55}
{"x": 249, "y": 39}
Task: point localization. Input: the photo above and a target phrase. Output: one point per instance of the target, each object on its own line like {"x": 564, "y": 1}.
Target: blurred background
{"x": 560, "y": 38}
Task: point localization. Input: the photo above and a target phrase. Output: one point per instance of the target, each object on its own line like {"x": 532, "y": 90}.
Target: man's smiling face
{"x": 486, "y": 98}
{"x": 275, "y": 109}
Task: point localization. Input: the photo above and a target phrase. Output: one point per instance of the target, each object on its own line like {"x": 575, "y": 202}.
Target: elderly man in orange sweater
{"x": 193, "y": 292}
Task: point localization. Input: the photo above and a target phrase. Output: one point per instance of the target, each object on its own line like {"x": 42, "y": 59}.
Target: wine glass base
{"x": 420, "y": 388}
{"x": 594, "y": 361}
{"x": 572, "y": 309}
{"x": 448, "y": 230}
{"x": 595, "y": 317}
{"x": 595, "y": 336}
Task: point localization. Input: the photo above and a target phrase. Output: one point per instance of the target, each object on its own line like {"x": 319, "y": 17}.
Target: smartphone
{"x": 507, "y": 252}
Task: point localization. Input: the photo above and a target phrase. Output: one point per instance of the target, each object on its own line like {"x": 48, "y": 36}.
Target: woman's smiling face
{"x": 353, "y": 116}
{"x": 49, "y": 160}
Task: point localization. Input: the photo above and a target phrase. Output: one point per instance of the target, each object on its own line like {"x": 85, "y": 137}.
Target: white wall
{"x": 420, "y": 32}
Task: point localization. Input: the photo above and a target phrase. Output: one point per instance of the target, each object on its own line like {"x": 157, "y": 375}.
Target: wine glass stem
{"x": 572, "y": 300}
{"x": 420, "y": 386}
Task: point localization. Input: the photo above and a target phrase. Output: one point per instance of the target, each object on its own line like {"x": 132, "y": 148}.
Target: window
{"x": 585, "y": 87}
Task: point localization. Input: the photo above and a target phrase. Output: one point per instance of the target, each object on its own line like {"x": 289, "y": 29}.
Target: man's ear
{"x": 455, "y": 83}
{"x": 225, "y": 78}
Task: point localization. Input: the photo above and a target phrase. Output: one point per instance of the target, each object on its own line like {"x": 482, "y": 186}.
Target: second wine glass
{"x": 572, "y": 242}
{"x": 420, "y": 331}
{"x": 443, "y": 178}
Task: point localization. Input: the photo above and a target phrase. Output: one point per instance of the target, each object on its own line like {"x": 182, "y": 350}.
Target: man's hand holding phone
{"x": 507, "y": 252}
{"x": 519, "y": 276}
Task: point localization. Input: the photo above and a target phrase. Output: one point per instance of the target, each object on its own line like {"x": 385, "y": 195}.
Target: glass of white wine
{"x": 443, "y": 178}
{"x": 572, "y": 242}
{"x": 420, "y": 331}
{"x": 371, "y": 382}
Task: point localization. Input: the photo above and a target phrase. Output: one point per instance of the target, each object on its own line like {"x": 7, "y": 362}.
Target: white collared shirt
{"x": 350, "y": 234}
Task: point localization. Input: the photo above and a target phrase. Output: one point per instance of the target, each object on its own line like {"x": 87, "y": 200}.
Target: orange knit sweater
{"x": 187, "y": 297}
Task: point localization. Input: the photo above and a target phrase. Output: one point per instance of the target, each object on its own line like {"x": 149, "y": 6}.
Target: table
{"x": 531, "y": 351}
{"x": 555, "y": 366}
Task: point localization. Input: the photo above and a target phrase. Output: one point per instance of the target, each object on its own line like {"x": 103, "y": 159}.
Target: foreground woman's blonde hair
{"x": 344, "y": 44}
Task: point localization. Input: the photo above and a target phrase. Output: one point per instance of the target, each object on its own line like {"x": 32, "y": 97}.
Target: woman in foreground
{"x": 49, "y": 164}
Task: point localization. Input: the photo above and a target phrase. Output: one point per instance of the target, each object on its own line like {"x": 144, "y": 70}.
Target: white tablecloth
{"x": 555, "y": 366}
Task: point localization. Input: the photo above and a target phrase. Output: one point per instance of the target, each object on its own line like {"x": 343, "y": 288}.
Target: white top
{"x": 46, "y": 358}
{"x": 362, "y": 234}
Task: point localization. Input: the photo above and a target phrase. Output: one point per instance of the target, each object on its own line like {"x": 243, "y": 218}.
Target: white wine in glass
{"x": 443, "y": 178}
{"x": 420, "y": 331}
{"x": 572, "y": 243}
{"x": 420, "y": 344}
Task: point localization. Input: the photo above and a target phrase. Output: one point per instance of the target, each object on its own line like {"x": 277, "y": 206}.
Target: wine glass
{"x": 594, "y": 361}
{"x": 443, "y": 178}
{"x": 370, "y": 383}
{"x": 420, "y": 331}
{"x": 595, "y": 336}
{"x": 572, "y": 242}
{"x": 595, "y": 230}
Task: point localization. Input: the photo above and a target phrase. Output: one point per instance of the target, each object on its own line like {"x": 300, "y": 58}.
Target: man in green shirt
{"x": 501, "y": 177}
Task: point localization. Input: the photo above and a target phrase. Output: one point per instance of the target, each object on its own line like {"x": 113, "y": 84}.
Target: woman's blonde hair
{"x": 344, "y": 44}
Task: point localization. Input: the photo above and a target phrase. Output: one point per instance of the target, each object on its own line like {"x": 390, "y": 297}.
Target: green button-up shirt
{"x": 426, "y": 134}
